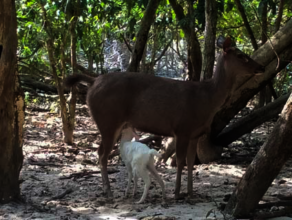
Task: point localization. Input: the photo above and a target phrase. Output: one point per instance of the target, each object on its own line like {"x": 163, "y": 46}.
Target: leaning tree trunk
{"x": 12, "y": 106}
{"x": 142, "y": 35}
{"x": 246, "y": 89}
{"x": 247, "y": 124}
{"x": 264, "y": 168}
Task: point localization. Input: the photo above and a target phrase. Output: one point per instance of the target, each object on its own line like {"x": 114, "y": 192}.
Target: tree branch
{"x": 163, "y": 52}
{"x": 246, "y": 23}
{"x": 126, "y": 42}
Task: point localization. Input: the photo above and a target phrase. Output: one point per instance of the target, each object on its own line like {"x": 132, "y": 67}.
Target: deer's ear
{"x": 227, "y": 44}
{"x": 220, "y": 41}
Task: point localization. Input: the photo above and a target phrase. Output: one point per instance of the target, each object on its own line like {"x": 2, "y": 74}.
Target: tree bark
{"x": 142, "y": 35}
{"x": 12, "y": 106}
{"x": 264, "y": 92}
{"x": 51, "y": 49}
{"x": 246, "y": 23}
{"x": 34, "y": 85}
{"x": 210, "y": 37}
{"x": 194, "y": 49}
{"x": 68, "y": 132}
{"x": 264, "y": 168}
{"x": 251, "y": 121}
{"x": 282, "y": 42}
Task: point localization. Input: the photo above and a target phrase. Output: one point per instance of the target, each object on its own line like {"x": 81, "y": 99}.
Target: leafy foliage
{"x": 101, "y": 21}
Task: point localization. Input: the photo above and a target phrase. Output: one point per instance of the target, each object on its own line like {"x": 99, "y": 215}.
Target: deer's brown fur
{"x": 162, "y": 106}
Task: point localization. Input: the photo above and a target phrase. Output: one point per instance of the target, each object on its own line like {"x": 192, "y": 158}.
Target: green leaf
{"x": 181, "y": 33}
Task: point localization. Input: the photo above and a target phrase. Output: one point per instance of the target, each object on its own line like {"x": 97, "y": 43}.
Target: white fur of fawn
{"x": 139, "y": 161}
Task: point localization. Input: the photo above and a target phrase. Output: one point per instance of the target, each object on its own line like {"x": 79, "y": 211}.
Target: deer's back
{"x": 149, "y": 103}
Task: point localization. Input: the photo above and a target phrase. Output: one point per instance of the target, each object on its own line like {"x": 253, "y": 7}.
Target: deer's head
{"x": 235, "y": 61}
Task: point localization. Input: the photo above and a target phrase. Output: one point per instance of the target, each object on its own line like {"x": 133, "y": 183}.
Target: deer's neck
{"x": 223, "y": 82}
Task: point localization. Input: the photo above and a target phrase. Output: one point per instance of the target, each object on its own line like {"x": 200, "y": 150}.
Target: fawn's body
{"x": 139, "y": 161}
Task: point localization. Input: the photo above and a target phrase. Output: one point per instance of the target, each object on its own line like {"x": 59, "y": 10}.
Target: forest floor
{"x": 64, "y": 182}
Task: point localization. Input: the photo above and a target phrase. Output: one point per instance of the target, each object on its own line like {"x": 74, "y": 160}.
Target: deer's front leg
{"x": 191, "y": 156}
{"x": 181, "y": 152}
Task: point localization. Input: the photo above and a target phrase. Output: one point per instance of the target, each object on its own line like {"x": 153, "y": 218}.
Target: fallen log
{"x": 247, "y": 124}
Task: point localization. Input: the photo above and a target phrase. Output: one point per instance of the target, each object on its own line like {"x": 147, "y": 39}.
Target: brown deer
{"x": 182, "y": 109}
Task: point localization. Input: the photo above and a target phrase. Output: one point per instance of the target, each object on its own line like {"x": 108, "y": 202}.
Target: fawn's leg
{"x": 135, "y": 184}
{"x": 130, "y": 176}
{"x": 146, "y": 178}
{"x": 154, "y": 172}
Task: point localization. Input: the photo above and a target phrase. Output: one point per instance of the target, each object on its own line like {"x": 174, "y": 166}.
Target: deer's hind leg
{"x": 181, "y": 153}
{"x": 109, "y": 138}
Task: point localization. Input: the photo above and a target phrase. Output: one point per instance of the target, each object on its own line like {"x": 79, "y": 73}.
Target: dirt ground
{"x": 63, "y": 182}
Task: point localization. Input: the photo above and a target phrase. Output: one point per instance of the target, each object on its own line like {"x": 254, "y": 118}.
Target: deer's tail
{"x": 76, "y": 78}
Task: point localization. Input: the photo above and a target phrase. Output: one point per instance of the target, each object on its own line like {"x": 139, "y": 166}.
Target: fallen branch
{"x": 267, "y": 215}
{"x": 62, "y": 195}
{"x": 278, "y": 203}
{"x": 44, "y": 164}
{"x": 251, "y": 121}
{"x": 87, "y": 173}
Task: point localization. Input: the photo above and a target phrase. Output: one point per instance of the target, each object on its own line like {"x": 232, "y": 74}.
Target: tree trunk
{"x": 262, "y": 98}
{"x": 90, "y": 62}
{"x": 251, "y": 121}
{"x": 247, "y": 88}
{"x": 246, "y": 23}
{"x": 210, "y": 37}
{"x": 264, "y": 168}
{"x": 282, "y": 42}
{"x": 68, "y": 132}
{"x": 51, "y": 49}
{"x": 264, "y": 92}
{"x": 207, "y": 151}
{"x": 194, "y": 49}
{"x": 142, "y": 35}
{"x": 34, "y": 85}
{"x": 12, "y": 106}
{"x": 279, "y": 17}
